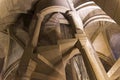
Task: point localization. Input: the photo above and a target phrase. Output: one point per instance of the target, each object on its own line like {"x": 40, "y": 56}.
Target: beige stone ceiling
{"x": 111, "y": 7}
{"x": 10, "y": 10}
{"x": 13, "y": 7}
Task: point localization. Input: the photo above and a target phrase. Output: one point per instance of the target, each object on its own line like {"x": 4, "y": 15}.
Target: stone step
{"x": 41, "y": 76}
{"x": 66, "y": 44}
{"x": 51, "y": 56}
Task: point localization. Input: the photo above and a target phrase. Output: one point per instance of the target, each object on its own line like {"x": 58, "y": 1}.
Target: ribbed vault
{"x": 57, "y": 45}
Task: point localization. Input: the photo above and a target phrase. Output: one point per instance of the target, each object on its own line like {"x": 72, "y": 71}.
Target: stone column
{"x": 87, "y": 50}
{"x": 27, "y": 66}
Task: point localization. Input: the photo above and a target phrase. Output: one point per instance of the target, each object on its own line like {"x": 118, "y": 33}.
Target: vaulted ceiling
{"x": 9, "y": 9}
{"x": 104, "y": 35}
{"x": 111, "y": 7}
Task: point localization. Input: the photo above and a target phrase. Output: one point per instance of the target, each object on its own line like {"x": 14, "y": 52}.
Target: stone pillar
{"x": 74, "y": 74}
{"x": 86, "y": 49}
{"x": 26, "y": 65}
{"x": 27, "y": 75}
